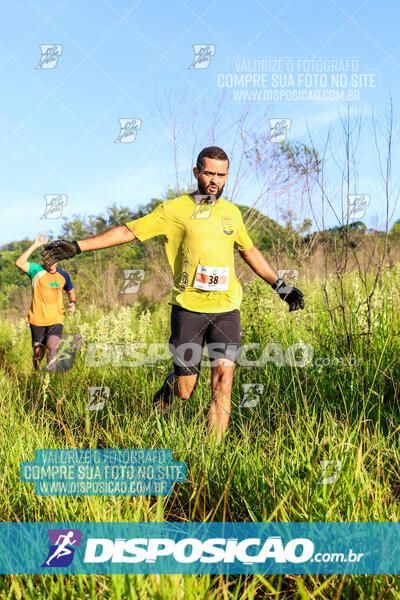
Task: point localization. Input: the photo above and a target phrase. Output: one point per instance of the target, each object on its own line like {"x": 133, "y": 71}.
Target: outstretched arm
{"x": 112, "y": 237}
{"x": 62, "y": 249}
{"x": 22, "y": 261}
{"x": 288, "y": 293}
{"x": 259, "y": 264}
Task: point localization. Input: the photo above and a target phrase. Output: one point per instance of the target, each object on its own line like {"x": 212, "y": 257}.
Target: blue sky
{"x": 131, "y": 60}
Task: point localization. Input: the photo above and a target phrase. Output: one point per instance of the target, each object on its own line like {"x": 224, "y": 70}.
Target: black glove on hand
{"x": 59, "y": 250}
{"x": 290, "y": 294}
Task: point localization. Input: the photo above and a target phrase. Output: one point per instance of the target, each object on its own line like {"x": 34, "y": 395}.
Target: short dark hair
{"x": 211, "y": 152}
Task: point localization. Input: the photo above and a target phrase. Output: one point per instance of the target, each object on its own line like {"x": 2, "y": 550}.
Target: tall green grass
{"x": 267, "y": 468}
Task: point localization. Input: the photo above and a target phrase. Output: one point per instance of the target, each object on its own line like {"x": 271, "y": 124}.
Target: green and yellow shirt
{"x": 47, "y": 306}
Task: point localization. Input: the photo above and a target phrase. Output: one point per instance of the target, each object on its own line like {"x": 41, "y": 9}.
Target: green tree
{"x": 395, "y": 231}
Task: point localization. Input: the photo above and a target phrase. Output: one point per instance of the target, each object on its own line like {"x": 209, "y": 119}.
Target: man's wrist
{"x": 278, "y": 283}
{"x": 74, "y": 301}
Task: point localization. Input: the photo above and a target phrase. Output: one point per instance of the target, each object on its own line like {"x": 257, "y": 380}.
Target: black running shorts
{"x": 40, "y": 333}
{"x": 190, "y": 330}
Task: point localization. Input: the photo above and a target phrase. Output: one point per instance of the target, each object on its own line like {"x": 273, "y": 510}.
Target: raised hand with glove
{"x": 292, "y": 295}
{"x": 59, "y": 250}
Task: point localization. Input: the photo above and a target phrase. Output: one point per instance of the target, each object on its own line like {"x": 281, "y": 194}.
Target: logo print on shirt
{"x": 54, "y": 284}
{"x": 227, "y": 226}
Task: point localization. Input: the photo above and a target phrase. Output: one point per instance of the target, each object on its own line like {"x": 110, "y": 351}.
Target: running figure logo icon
{"x": 98, "y": 397}
{"x": 278, "y": 130}
{"x": 358, "y": 204}
{"x": 202, "y": 56}
{"x": 128, "y": 130}
{"x": 289, "y": 275}
{"x": 54, "y": 206}
{"x": 62, "y": 547}
{"x": 132, "y": 282}
{"x": 50, "y": 55}
{"x": 251, "y": 394}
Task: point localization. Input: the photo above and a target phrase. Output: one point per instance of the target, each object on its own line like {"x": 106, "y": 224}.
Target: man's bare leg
{"x": 53, "y": 341}
{"x": 181, "y": 386}
{"x": 38, "y": 353}
{"x": 184, "y": 385}
{"x": 220, "y": 405}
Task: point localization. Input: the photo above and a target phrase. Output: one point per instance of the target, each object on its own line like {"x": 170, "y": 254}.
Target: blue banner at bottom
{"x": 267, "y": 548}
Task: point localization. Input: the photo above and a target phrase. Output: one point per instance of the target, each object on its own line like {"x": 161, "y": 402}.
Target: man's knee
{"x": 52, "y": 343}
{"x": 222, "y": 378}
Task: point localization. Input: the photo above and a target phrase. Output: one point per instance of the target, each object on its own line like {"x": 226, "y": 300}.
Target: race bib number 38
{"x": 212, "y": 279}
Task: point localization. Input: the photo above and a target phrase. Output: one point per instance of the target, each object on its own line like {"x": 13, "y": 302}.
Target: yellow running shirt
{"x": 199, "y": 242}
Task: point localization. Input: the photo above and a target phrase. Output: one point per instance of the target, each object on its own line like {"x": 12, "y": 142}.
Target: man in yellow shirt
{"x": 46, "y": 314}
{"x": 201, "y": 232}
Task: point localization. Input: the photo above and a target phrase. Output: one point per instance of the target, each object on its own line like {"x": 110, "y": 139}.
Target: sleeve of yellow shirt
{"x": 242, "y": 240}
{"x": 155, "y": 223}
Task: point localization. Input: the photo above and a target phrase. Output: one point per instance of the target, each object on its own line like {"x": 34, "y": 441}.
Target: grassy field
{"x": 267, "y": 468}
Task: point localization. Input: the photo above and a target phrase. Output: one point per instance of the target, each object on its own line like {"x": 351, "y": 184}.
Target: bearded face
{"x": 211, "y": 177}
